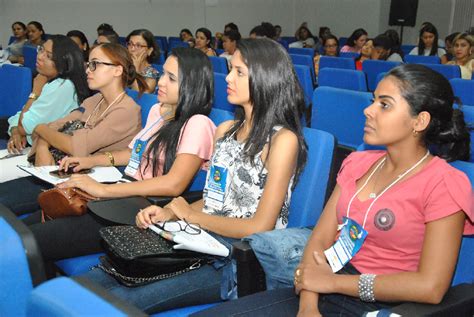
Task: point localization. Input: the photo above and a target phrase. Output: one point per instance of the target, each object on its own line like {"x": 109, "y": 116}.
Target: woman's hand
{"x": 139, "y": 60}
{"x": 87, "y": 184}
{"x": 180, "y": 208}
{"x": 151, "y": 215}
{"x": 317, "y": 277}
{"x": 17, "y": 142}
{"x": 79, "y": 163}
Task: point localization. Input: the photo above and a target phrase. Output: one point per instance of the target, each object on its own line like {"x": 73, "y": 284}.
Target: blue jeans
{"x": 21, "y": 195}
{"x": 201, "y": 286}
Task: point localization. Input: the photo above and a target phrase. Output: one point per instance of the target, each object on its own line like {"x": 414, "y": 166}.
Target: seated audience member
{"x": 179, "y": 142}
{"x": 36, "y": 34}
{"x": 396, "y": 53}
{"x": 142, "y": 47}
{"x": 203, "y": 42}
{"x": 81, "y": 40}
{"x": 186, "y": 36}
{"x": 229, "y": 41}
{"x": 15, "y": 49}
{"x": 277, "y": 32}
{"x": 405, "y": 206}
{"x": 107, "y": 36}
{"x": 218, "y": 37}
{"x": 365, "y": 53}
{"x": 449, "y": 40}
{"x": 428, "y": 42}
{"x": 265, "y": 29}
{"x": 330, "y": 48}
{"x": 323, "y": 32}
{"x": 105, "y": 122}
{"x": 383, "y": 47}
{"x": 59, "y": 88}
{"x": 463, "y": 47}
{"x": 355, "y": 41}
{"x": 306, "y": 39}
{"x": 261, "y": 154}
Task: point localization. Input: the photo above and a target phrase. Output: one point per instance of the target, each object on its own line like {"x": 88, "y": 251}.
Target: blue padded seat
{"x": 301, "y": 51}
{"x": 448, "y": 71}
{"x": 349, "y": 55}
{"x": 336, "y": 62}
{"x": 15, "y": 86}
{"x": 421, "y": 59}
{"x": 342, "y": 78}
{"x": 374, "y": 67}
{"x": 29, "y": 54}
{"x": 464, "y": 89}
{"x": 218, "y": 116}
{"x": 176, "y": 43}
{"x": 304, "y": 76}
{"x": 306, "y": 61}
{"x": 162, "y": 42}
{"x": 145, "y": 101}
{"x": 219, "y": 64}
{"x": 340, "y": 112}
{"x": 406, "y": 49}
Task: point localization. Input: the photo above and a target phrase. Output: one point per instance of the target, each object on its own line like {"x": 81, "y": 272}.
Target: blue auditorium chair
{"x": 448, "y": 71}
{"x": 21, "y": 264}
{"x": 349, "y": 55}
{"x": 219, "y": 64}
{"x": 145, "y": 101}
{"x": 374, "y": 67}
{"x": 162, "y": 42}
{"x": 15, "y": 86}
{"x": 336, "y": 62}
{"x": 464, "y": 89}
{"x": 288, "y": 39}
{"x": 304, "y": 76}
{"x": 380, "y": 76}
{"x": 342, "y": 78}
{"x": 340, "y": 112}
{"x": 306, "y": 61}
{"x": 421, "y": 59}
{"x": 29, "y": 54}
{"x": 176, "y": 43}
{"x": 301, "y": 51}
{"x": 220, "y": 93}
{"x": 218, "y": 116}
{"x": 11, "y": 40}
{"x": 342, "y": 41}
{"x": 406, "y": 49}
{"x": 284, "y": 44}
{"x": 158, "y": 67}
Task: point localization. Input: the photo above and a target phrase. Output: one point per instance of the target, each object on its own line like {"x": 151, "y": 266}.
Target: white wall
{"x": 167, "y": 17}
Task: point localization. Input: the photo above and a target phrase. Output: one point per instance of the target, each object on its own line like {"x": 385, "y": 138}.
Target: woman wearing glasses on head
{"x": 256, "y": 162}
{"x": 59, "y": 88}
{"x": 142, "y": 47}
{"x": 106, "y": 121}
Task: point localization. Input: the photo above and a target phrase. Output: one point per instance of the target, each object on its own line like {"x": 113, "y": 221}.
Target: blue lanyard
{"x": 157, "y": 121}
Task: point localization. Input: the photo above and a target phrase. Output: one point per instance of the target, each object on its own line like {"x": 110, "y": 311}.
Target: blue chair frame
{"x": 342, "y": 78}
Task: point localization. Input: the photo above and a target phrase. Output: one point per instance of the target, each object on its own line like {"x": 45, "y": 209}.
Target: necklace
{"x": 373, "y": 194}
{"x": 98, "y": 106}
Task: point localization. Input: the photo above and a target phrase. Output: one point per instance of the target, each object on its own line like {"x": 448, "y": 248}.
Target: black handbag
{"x": 136, "y": 257}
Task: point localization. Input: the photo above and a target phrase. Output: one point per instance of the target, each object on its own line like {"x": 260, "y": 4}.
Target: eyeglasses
{"x": 92, "y": 65}
{"x": 175, "y": 226}
{"x": 135, "y": 45}
{"x": 40, "y": 50}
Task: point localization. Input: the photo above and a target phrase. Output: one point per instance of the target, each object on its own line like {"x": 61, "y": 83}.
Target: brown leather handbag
{"x": 63, "y": 202}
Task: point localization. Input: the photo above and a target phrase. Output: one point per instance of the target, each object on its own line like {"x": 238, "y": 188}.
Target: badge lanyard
{"x": 108, "y": 107}
{"x": 352, "y": 235}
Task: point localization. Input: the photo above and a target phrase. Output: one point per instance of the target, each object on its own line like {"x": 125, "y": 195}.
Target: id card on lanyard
{"x": 136, "y": 156}
{"x": 216, "y": 186}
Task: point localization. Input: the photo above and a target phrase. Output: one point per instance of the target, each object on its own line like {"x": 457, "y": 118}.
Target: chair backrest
{"x": 380, "y": 76}
{"x": 218, "y": 116}
{"x": 342, "y": 78}
{"x": 469, "y": 119}
{"x": 146, "y": 101}
{"x": 309, "y": 196}
{"x": 304, "y": 76}
{"x": 162, "y": 42}
{"x": 219, "y": 64}
{"x": 406, "y": 49}
{"x": 448, "y": 71}
{"x": 158, "y": 67}
{"x": 220, "y": 93}
{"x": 176, "y": 43}
{"x": 304, "y": 60}
{"x": 336, "y": 62}
{"x": 29, "y": 54}
{"x": 301, "y": 51}
{"x": 15, "y": 86}
{"x": 289, "y": 39}
{"x": 284, "y": 44}
{"x": 21, "y": 264}
{"x": 374, "y": 67}
{"x": 421, "y": 59}
{"x": 160, "y": 59}
{"x": 464, "y": 89}
{"x": 11, "y": 40}
{"x": 349, "y": 55}
{"x": 464, "y": 272}
{"x": 340, "y": 112}
{"x": 342, "y": 41}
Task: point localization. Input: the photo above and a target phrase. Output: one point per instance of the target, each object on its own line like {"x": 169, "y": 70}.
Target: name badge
{"x": 350, "y": 240}
{"x": 216, "y": 186}
{"x": 135, "y": 158}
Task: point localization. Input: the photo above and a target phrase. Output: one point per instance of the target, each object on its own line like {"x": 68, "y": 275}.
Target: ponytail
{"x": 132, "y": 76}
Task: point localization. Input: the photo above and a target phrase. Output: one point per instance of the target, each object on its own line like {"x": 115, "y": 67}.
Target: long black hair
{"x": 355, "y": 36}
{"x": 207, "y": 33}
{"x": 39, "y": 26}
{"x": 69, "y": 62}
{"x": 82, "y": 37}
{"x": 428, "y": 28}
{"x": 150, "y": 42}
{"x": 276, "y": 100}
{"x": 196, "y": 90}
{"x": 426, "y": 90}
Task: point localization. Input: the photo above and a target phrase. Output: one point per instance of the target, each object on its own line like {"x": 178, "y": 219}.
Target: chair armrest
{"x": 161, "y": 201}
{"x": 458, "y": 301}
{"x": 250, "y": 274}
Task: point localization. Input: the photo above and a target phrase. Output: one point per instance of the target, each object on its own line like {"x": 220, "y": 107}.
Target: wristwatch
{"x": 33, "y": 96}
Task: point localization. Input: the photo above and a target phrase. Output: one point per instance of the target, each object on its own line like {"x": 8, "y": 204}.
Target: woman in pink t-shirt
{"x": 175, "y": 144}
{"x": 409, "y": 205}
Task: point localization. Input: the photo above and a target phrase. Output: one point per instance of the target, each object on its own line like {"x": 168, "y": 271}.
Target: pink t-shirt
{"x": 197, "y": 137}
{"x": 396, "y": 222}
{"x": 349, "y": 49}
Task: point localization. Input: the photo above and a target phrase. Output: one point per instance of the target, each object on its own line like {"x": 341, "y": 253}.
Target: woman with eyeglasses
{"x": 330, "y": 48}
{"x": 105, "y": 122}
{"x": 177, "y": 142}
{"x": 59, "y": 88}
{"x": 256, "y": 162}
{"x": 142, "y": 47}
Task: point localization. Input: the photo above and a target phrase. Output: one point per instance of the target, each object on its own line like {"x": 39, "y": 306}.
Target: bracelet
{"x": 111, "y": 158}
{"x": 366, "y": 287}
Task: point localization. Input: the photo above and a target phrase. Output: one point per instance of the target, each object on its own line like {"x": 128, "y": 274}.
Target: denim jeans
{"x": 201, "y": 286}
{"x": 21, "y": 194}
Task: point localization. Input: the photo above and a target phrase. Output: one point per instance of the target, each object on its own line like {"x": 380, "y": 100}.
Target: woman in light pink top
{"x": 355, "y": 41}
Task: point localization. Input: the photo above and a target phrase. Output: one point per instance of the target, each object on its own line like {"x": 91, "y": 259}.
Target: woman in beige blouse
{"x": 110, "y": 118}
